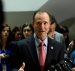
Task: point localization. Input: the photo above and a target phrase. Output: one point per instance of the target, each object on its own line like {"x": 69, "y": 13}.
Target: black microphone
{"x": 55, "y": 67}
{"x": 65, "y": 67}
{"x": 58, "y": 67}
{"x": 52, "y": 68}
{"x": 70, "y": 62}
{"x": 61, "y": 66}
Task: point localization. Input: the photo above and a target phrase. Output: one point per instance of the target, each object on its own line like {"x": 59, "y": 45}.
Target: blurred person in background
{"x": 27, "y": 31}
{"x": 54, "y": 34}
{"x": 16, "y": 34}
{"x": 66, "y": 35}
{"x": 71, "y": 51}
{"x": 65, "y": 31}
{"x": 5, "y": 50}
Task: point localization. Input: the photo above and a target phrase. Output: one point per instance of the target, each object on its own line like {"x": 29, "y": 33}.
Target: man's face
{"x": 41, "y": 25}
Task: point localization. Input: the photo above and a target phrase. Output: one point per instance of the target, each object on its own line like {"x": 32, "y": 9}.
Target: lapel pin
{"x": 52, "y": 47}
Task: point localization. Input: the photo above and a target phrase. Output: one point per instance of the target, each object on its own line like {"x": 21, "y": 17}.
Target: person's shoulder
{"x": 58, "y": 33}
{"x": 55, "y": 43}
{"x": 21, "y": 42}
{"x": 24, "y": 41}
{"x": 52, "y": 41}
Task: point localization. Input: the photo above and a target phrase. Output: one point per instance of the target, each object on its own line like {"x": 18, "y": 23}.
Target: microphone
{"x": 65, "y": 66}
{"x": 61, "y": 66}
{"x": 55, "y": 67}
{"x": 58, "y": 67}
{"x": 70, "y": 62}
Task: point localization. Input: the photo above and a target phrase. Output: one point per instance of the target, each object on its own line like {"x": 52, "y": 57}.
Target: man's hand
{"x": 22, "y": 67}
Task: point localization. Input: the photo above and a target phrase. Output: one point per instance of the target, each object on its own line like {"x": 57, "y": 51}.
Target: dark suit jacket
{"x": 26, "y": 52}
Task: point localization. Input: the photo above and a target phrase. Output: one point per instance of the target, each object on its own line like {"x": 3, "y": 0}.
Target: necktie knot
{"x": 41, "y": 44}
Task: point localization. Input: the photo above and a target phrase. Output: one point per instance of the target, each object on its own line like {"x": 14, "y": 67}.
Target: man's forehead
{"x": 42, "y": 15}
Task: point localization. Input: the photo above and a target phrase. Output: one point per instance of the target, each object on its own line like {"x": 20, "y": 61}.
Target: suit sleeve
{"x": 16, "y": 59}
{"x": 61, "y": 53}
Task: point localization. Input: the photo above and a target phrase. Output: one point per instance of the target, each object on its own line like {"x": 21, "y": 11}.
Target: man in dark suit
{"x": 27, "y": 50}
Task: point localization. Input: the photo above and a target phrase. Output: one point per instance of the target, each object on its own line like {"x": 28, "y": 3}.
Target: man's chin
{"x": 42, "y": 37}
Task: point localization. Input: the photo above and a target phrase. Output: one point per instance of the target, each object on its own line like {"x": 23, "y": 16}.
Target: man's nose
{"x": 42, "y": 25}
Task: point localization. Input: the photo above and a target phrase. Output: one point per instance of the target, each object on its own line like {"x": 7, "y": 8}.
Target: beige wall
{"x": 18, "y": 18}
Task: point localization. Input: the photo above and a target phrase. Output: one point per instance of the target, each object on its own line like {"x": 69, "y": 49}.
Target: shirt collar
{"x": 37, "y": 41}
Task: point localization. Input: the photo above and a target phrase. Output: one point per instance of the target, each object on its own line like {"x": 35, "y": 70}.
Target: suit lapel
{"x": 50, "y": 52}
{"x": 33, "y": 51}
